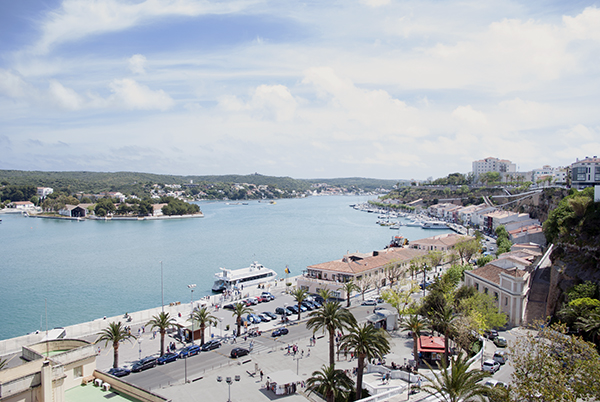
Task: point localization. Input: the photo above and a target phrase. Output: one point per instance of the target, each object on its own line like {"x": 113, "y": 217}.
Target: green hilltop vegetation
{"x": 13, "y": 183}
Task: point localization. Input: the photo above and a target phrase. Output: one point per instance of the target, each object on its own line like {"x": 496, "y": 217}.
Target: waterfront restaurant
{"x": 354, "y": 267}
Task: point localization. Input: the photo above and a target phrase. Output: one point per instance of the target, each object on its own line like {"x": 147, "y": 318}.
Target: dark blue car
{"x": 119, "y": 372}
{"x": 189, "y": 351}
{"x": 279, "y": 332}
{"x": 167, "y": 358}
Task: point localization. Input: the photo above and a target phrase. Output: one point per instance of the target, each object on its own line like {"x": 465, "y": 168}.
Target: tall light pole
{"x": 192, "y": 287}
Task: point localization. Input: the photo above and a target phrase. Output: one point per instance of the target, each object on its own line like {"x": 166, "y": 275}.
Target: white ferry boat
{"x": 253, "y": 275}
{"x": 435, "y": 225}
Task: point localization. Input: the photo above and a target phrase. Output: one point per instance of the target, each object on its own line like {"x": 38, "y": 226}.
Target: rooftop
{"x": 90, "y": 393}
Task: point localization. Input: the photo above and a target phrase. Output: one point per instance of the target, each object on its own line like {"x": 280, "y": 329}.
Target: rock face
{"x": 571, "y": 265}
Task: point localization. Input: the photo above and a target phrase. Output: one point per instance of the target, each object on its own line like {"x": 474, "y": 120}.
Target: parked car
{"x": 491, "y": 334}
{"x": 238, "y": 352}
{"x": 425, "y": 285}
{"x": 189, "y": 351}
{"x": 263, "y": 317}
{"x": 271, "y": 315}
{"x": 252, "y": 300}
{"x": 253, "y": 318}
{"x": 490, "y": 365}
{"x": 268, "y": 294}
{"x": 167, "y": 358}
{"x": 145, "y": 363}
{"x": 501, "y": 356}
{"x": 500, "y": 341}
{"x": 210, "y": 345}
{"x": 293, "y": 309}
{"x": 119, "y": 372}
{"x": 279, "y": 332}
{"x": 263, "y": 299}
{"x": 309, "y": 305}
{"x": 369, "y": 302}
{"x": 281, "y": 311}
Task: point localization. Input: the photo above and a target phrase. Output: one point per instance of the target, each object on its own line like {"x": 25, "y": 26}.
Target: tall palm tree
{"x": 348, "y": 288}
{"x": 299, "y": 295}
{"x": 456, "y": 383}
{"x": 415, "y": 325}
{"x": 203, "y": 318}
{"x": 325, "y": 294}
{"x": 330, "y": 317}
{"x": 162, "y": 322}
{"x": 443, "y": 320}
{"x": 115, "y": 333}
{"x": 238, "y": 311}
{"x": 330, "y": 383}
{"x": 3, "y": 362}
{"x": 367, "y": 342}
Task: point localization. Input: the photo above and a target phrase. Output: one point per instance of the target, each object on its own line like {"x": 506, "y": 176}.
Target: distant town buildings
{"x": 585, "y": 173}
{"x": 43, "y": 192}
{"x": 492, "y": 164}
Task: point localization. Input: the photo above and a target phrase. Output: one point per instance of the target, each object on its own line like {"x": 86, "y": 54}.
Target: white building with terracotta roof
{"x": 331, "y": 275}
{"x": 443, "y": 242}
{"x": 507, "y": 279}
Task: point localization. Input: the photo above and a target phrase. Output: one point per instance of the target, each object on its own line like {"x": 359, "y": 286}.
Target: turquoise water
{"x": 91, "y": 269}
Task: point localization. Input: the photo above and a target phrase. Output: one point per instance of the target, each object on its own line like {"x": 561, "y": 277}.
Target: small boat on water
{"x": 255, "y": 274}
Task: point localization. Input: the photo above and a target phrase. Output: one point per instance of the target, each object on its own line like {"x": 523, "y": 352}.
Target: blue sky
{"x": 369, "y": 88}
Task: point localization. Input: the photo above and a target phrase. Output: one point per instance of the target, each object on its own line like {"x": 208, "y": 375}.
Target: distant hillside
{"x": 141, "y": 183}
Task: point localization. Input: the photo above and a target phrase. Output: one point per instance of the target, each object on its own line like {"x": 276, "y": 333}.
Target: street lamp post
{"x": 140, "y": 347}
{"x": 192, "y": 287}
{"x": 162, "y": 288}
{"x": 229, "y": 381}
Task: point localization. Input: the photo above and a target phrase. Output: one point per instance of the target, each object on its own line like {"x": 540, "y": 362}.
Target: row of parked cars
{"x": 151, "y": 361}
{"x": 251, "y": 301}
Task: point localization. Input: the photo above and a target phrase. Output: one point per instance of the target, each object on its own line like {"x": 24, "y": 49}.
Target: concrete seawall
{"x": 14, "y": 345}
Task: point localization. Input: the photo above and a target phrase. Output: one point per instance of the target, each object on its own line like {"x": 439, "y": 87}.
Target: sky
{"x": 308, "y": 89}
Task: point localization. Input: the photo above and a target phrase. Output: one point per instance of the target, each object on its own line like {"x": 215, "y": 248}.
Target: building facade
{"x": 492, "y": 164}
{"x": 585, "y": 173}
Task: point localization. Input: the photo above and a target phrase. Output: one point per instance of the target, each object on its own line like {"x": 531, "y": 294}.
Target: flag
{"x": 287, "y": 270}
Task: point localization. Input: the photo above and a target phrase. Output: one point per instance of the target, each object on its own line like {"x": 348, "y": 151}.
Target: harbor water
{"x": 84, "y": 270}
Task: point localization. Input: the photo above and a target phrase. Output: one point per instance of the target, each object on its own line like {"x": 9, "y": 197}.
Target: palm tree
{"x": 115, "y": 333}
{"x": 415, "y": 325}
{"x": 348, "y": 288}
{"x": 162, "y": 322}
{"x": 3, "y": 363}
{"x": 300, "y": 295}
{"x": 330, "y": 383}
{"x": 367, "y": 342}
{"x": 590, "y": 324}
{"x": 330, "y": 317}
{"x": 325, "y": 294}
{"x": 443, "y": 320}
{"x": 202, "y": 317}
{"x": 238, "y": 311}
{"x": 456, "y": 383}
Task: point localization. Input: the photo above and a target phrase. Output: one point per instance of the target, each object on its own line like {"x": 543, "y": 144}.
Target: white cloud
{"x": 13, "y": 85}
{"x": 66, "y": 97}
{"x": 375, "y": 3}
{"x": 585, "y": 25}
{"x": 273, "y": 102}
{"x": 137, "y": 64}
{"x": 133, "y": 95}
{"x": 76, "y": 19}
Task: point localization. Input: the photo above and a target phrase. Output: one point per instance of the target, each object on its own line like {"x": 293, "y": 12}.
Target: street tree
{"x": 466, "y": 249}
{"x": 331, "y": 317}
{"x": 299, "y": 295}
{"x": 551, "y": 365}
{"x": 400, "y": 299}
{"x": 203, "y": 318}
{"x": 330, "y": 383}
{"x": 239, "y": 310}
{"x": 456, "y": 383}
{"x": 364, "y": 283}
{"x": 367, "y": 342}
{"x": 348, "y": 288}
{"x": 115, "y": 333}
{"x": 415, "y": 325}
{"x": 162, "y": 322}
{"x": 393, "y": 270}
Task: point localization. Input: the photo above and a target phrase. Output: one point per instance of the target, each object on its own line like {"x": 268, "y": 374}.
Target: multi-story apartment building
{"x": 492, "y": 164}
{"x": 556, "y": 175}
{"x": 585, "y": 173}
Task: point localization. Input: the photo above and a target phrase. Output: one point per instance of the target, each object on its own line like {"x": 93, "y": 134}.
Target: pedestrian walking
{"x": 261, "y": 375}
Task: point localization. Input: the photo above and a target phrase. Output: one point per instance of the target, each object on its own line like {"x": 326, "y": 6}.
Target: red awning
{"x": 433, "y": 344}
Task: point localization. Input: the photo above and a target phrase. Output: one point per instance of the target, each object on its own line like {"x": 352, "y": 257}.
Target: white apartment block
{"x": 44, "y": 191}
{"x": 558, "y": 175}
{"x": 492, "y": 164}
{"x": 585, "y": 173}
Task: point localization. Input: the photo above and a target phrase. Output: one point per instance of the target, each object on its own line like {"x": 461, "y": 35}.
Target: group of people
{"x": 293, "y": 350}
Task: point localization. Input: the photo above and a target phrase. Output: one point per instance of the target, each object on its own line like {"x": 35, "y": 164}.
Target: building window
{"x": 477, "y": 286}
{"x": 506, "y": 301}
{"x": 495, "y": 296}
{"x": 485, "y": 290}
{"x": 78, "y": 371}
